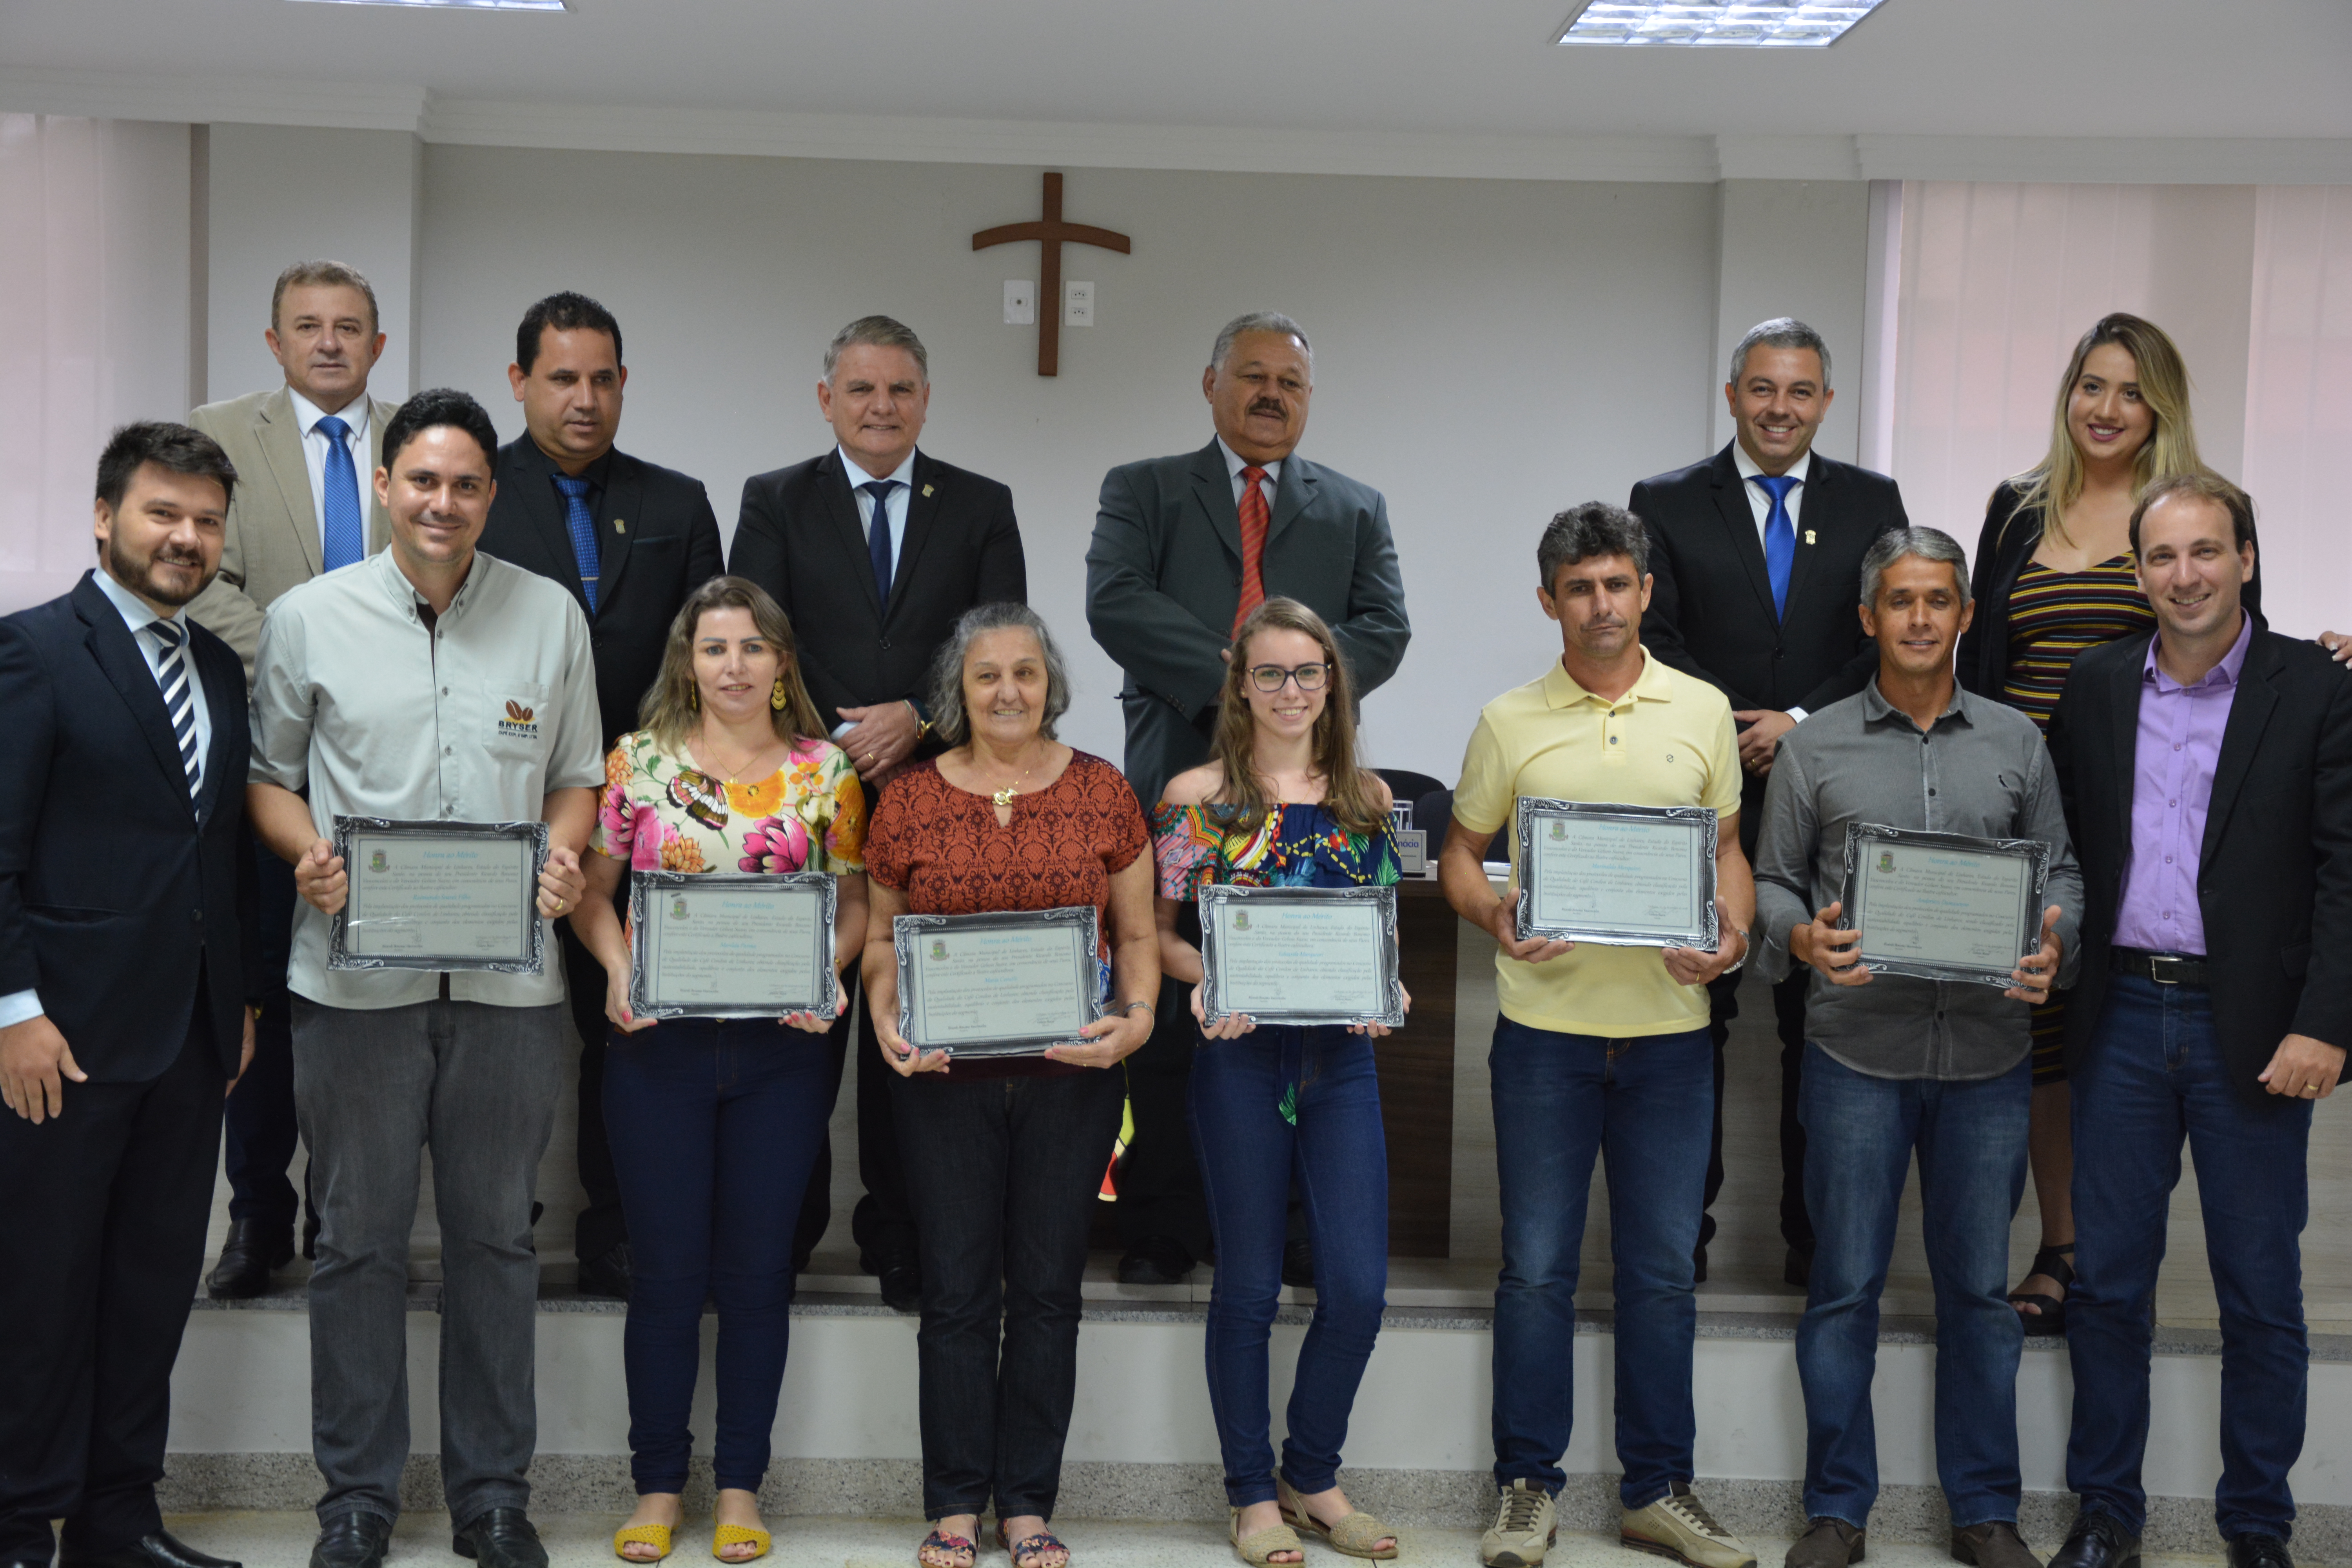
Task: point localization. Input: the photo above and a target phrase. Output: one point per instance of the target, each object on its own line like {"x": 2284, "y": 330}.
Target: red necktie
{"x": 1253, "y": 507}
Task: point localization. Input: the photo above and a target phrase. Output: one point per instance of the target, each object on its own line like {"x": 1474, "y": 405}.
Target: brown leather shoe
{"x": 1993, "y": 1544}
{"x": 1827, "y": 1543}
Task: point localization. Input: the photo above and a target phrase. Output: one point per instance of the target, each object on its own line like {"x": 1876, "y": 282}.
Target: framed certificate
{"x": 440, "y": 895}
{"x": 1621, "y": 876}
{"x": 1943, "y": 906}
{"x": 1301, "y": 955}
{"x": 997, "y": 985}
{"x": 732, "y": 944}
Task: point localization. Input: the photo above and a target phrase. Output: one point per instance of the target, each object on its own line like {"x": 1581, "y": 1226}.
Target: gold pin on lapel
{"x": 621, "y": 527}
{"x": 1809, "y": 536}
{"x": 927, "y": 492}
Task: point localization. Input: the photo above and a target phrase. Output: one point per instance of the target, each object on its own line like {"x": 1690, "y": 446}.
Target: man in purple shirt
{"x": 2207, "y": 777}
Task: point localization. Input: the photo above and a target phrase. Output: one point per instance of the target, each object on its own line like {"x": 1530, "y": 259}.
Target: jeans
{"x": 1248, "y": 1157}
{"x": 477, "y": 1085}
{"x": 260, "y": 1114}
{"x": 2153, "y": 1074}
{"x": 715, "y": 1125}
{"x": 1644, "y": 1105}
{"x": 1970, "y": 1137}
{"x": 1003, "y": 1173}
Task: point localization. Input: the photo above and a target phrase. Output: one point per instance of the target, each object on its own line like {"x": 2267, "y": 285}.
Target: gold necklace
{"x": 1005, "y": 796}
{"x": 756, "y": 754}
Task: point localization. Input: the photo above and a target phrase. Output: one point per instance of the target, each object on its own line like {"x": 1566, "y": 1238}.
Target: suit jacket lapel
{"x": 617, "y": 523}
{"x": 1294, "y": 492}
{"x": 126, "y": 669}
{"x": 841, "y": 505}
{"x": 526, "y": 471}
{"x": 221, "y": 689}
{"x": 281, "y": 449}
{"x": 922, "y": 520}
{"x": 379, "y": 521}
{"x": 2122, "y": 740}
{"x": 1817, "y": 511}
{"x": 1214, "y": 487}
{"x": 2250, "y": 711}
{"x": 1739, "y": 528}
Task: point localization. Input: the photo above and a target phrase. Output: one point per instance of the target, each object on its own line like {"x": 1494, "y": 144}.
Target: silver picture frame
{"x": 365, "y": 845}
{"x": 1538, "y": 822}
{"x": 658, "y": 901}
{"x": 1874, "y": 852}
{"x": 1224, "y": 909}
{"x": 922, "y": 941}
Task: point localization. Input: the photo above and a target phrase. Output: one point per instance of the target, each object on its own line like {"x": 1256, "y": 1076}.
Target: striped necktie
{"x": 1253, "y": 516}
{"x": 179, "y": 702}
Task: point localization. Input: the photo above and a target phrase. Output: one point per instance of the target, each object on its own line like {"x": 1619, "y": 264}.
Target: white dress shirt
{"x": 1235, "y": 463}
{"x": 1759, "y": 502}
{"x": 19, "y": 1005}
{"x": 315, "y": 443}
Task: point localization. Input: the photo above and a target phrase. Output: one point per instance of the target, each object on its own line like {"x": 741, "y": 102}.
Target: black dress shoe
{"x": 500, "y": 1538}
{"x": 608, "y": 1275}
{"x": 902, "y": 1286}
{"x": 353, "y": 1541}
{"x": 2097, "y": 1541}
{"x": 252, "y": 1251}
{"x": 1298, "y": 1263}
{"x": 2257, "y": 1550}
{"x": 160, "y": 1550}
{"x": 1156, "y": 1260}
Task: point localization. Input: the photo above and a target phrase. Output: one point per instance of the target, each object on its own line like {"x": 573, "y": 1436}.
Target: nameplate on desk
{"x": 439, "y": 896}
{"x": 1412, "y": 850}
{"x": 1943, "y": 906}
{"x": 1007, "y": 984}
{"x": 1301, "y": 955}
{"x": 1620, "y": 876}
{"x": 732, "y": 944}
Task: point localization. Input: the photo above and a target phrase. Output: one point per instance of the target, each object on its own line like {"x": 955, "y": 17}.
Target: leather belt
{"x": 2164, "y": 968}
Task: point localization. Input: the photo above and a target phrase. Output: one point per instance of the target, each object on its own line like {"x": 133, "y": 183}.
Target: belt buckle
{"x": 2158, "y": 963}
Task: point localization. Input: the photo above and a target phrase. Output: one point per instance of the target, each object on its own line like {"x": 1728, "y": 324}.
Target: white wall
{"x": 1796, "y": 247}
{"x": 1486, "y": 352}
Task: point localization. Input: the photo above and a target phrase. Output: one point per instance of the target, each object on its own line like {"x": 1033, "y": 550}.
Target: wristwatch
{"x": 922, "y": 724}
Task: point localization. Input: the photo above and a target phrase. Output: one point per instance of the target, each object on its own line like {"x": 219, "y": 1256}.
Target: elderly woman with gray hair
{"x": 1005, "y": 1155}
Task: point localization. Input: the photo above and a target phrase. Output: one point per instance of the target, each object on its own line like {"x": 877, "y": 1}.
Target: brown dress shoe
{"x": 1827, "y": 1543}
{"x": 1993, "y": 1544}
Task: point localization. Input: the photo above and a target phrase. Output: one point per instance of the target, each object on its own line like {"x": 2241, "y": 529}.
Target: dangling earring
{"x": 777, "y": 700}
{"x": 694, "y": 700}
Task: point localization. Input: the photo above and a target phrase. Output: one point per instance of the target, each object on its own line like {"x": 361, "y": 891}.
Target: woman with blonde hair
{"x": 1283, "y": 802}
{"x": 716, "y": 1122}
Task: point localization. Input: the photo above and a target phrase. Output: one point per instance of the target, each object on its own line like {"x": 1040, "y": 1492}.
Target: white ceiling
{"x": 2077, "y": 68}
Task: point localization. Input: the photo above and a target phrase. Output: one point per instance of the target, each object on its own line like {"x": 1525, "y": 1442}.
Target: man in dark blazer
{"x": 630, "y": 541}
{"x": 2208, "y": 775}
{"x": 123, "y": 988}
{"x": 1183, "y": 548}
{"x": 1757, "y": 556}
{"x": 874, "y": 549}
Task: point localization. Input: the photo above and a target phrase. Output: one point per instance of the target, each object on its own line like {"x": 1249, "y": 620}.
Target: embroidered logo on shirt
{"x": 520, "y": 722}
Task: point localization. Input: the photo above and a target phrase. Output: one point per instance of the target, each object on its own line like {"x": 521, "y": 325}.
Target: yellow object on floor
{"x": 727, "y": 1535}
{"x": 653, "y": 1535}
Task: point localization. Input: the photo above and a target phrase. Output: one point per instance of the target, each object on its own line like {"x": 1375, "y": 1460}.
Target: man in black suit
{"x": 122, "y": 989}
{"x": 2208, "y": 775}
{"x": 1183, "y": 548}
{"x": 630, "y": 541}
{"x": 874, "y": 549}
{"x": 1758, "y": 556}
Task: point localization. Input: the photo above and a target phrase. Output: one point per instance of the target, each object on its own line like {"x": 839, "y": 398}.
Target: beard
{"x": 137, "y": 572}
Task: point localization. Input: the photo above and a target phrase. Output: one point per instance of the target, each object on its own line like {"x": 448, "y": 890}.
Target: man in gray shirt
{"x": 1895, "y": 1064}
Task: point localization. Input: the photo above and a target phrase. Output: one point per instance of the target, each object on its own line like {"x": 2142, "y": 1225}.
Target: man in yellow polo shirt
{"x": 1600, "y": 1050}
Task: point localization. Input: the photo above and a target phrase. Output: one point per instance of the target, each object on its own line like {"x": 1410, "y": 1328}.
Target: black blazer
{"x": 117, "y": 894}
{"x": 799, "y": 538}
{"x": 1711, "y": 602}
{"x": 657, "y": 541}
{"x": 2005, "y": 544}
{"x": 2274, "y": 871}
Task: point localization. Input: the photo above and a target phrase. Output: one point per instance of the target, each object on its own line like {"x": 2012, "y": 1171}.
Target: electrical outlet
{"x": 1019, "y": 302}
{"x": 1078, "y": 304}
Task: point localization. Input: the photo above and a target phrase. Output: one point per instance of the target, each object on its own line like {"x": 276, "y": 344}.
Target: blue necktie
{"x": 582, "y": 528}
{"x": 877, "y": 537}
{"x": 345, "y": 542}
{"x": 1779, "y": 536}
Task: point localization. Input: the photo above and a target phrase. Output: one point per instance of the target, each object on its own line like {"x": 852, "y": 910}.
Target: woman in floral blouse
{"x": 716, "y": 1122}
{"x": 1283, "y": 804}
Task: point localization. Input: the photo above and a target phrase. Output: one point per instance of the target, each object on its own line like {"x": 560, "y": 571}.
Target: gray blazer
{"x": 1163, "y": 579}
{"x": 272, "y": 542}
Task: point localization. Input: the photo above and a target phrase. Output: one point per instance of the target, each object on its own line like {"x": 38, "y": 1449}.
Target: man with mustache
{"x": 308, "y": 452}
{"x": 1757, "y": 556}
{"x": 122, "y": 982}
{"x": 1896, "y": 1063}
{"x": 1184, "y": 547}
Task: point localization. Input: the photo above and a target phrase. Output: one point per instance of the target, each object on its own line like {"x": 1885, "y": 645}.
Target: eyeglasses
{"x": 1270, "y": 677}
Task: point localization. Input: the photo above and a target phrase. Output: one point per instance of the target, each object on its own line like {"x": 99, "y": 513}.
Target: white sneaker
{"x": 1678, "y": 1526}
{"x": 1525, "y": 1527}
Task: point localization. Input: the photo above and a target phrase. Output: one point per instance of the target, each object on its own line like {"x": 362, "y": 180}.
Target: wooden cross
{"x": 1050, "y": 235}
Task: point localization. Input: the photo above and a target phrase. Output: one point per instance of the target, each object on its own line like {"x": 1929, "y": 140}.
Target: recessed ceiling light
{"x": 1715, "y": 24}
{"x": 459, "y": 4}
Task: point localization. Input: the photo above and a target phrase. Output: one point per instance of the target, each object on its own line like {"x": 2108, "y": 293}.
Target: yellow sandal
{"x": 653, "y": 1535}
{"x": 727, "y": 1535}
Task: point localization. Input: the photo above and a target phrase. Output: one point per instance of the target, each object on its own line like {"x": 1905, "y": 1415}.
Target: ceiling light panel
{"x": 1715, "y": 24}
{"x": 459, "y": 4}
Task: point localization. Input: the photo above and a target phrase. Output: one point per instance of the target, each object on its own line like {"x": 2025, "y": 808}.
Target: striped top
{"x": 2054, "y": 616}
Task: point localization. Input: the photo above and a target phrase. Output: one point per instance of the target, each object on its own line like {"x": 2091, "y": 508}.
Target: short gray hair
{"x": 1927, "y": 544}
{"x": 948, "y": 716}
{"x": 879, "y": 332}
{"x": 1259, "y": 321}
{"x": 1595, "y": 528}
{"x": 1779, "y": 333}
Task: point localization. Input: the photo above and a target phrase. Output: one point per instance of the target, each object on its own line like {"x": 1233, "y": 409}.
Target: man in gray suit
{"x": 306, "y": 456}
{"x": 1183, "y": 548}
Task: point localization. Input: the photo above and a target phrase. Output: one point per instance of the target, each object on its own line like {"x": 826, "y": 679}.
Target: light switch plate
{"x": 1078, "y": 304}
{"x": 1019, "y": 302}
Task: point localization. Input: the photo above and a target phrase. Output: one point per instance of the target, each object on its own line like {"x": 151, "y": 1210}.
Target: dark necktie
{"x": 179, "y": 702}
{"x": 1253, "y": 519}
{"x": 1779, "y": 536}
{"x": 877, "y": 537}
{"x": 340, "y": 500}
{"x": 582, "y": 528}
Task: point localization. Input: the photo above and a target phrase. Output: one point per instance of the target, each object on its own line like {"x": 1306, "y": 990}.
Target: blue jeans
{"x": 715, "y": 1124}
{"x": 1859, "y": 1135}
{"x": 2153, "y": 1074}
{"x": 1248, "y": 1157}
{"x": 1646, "y": 1106}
